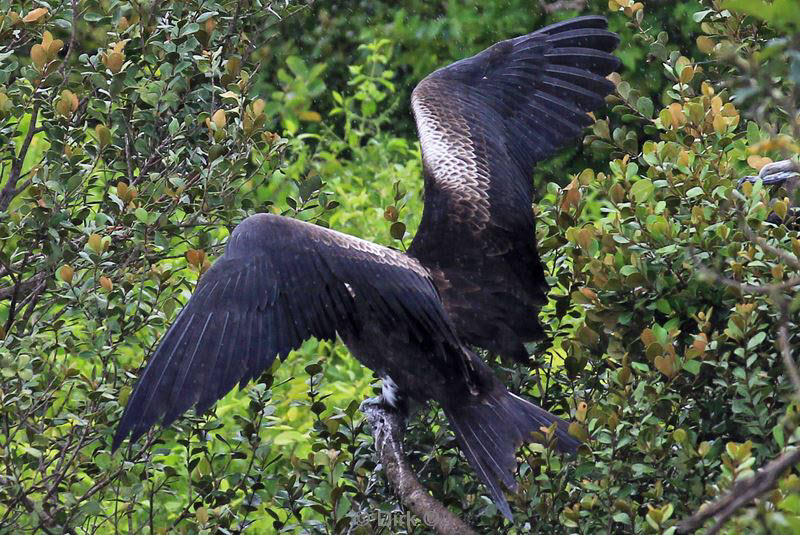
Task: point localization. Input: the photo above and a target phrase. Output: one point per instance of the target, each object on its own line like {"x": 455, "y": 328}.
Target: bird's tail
{"x": 492, "y": 427}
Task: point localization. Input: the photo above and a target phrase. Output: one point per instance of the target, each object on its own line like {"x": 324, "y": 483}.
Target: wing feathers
{"x": 586, "y": 99}
{"x": 279, "y": 282}
{"x": 207, "y": 395}
{"x": 483, "y": 123}
{"x": 585, "y": 38}
{"x": 178, "y": 392}
{"x": 583, "y": 58}
{"x": 588, "y": 21}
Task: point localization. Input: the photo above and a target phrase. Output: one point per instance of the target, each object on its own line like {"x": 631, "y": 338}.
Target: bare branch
{"x": 387, "y": 430}
{"x": 786, "y": 256}
{"x": 71, "y": 42}
{"x": 742, "y": 493}
{"x": 9, "y": 291}
{"x": 764, "y": 289}
{"x": 9, "y": 190}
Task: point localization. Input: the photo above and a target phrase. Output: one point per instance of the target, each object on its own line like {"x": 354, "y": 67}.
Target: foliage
{"x": 675, "y": 353}
{"x": 141, "y": 137}
{"x": 131, "y": 161}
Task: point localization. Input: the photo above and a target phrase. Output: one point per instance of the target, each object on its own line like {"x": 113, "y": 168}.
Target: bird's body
{"x": 472, "y": 275}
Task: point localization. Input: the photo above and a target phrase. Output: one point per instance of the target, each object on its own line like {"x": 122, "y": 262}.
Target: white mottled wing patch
{"x": 449, "y": 153}
{"x": 379, "y": 253}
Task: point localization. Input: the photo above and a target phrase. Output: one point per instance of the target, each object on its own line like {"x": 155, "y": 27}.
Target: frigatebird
{"x": 472, "y": 276}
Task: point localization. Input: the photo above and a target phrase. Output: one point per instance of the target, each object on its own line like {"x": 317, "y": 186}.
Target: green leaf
{"x": 297, "y": 66}
{"x": 778, "y": 435}
{"x": 190, "y": 28}
{"x": 645, "y": 106}
{"x": 692, "y": 366}
{"x": 141, "y": 214}
{"x": 642, "y": 190}
{"x": 790, "y": 504}
{"x": 756, "y": 339}
{"x": 695, "y": 192}
{"x": 288, "y": 437}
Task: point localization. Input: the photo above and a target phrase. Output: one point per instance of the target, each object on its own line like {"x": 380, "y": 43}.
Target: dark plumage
{"x": 484, "y": 122}
{"x": 472, "y": 274}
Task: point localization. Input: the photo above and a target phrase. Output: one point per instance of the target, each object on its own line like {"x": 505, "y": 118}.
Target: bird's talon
{"x": 377, "y": 403}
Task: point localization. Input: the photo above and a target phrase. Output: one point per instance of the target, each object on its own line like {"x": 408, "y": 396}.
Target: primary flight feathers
{"x": 483, "y": 123}
{"x": 280, "y": 282}
{"x": 471, "y": 276}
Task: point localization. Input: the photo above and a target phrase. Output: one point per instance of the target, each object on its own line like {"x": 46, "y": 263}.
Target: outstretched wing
{"x": 483, "y": 123}
{"x": 279, "y": 282}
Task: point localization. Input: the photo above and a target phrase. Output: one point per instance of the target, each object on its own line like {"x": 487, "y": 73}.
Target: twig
{"x": 387, "y": 430}
{"x": 746, "y": 490}
{"x": 9, "y": 190}
{"x": 742, "y": 493}
{"x": 9, "y": 291}
{"x": 765, "y": 289}
{"x": 786, "y": 256}
{"x": 71, "y": 42}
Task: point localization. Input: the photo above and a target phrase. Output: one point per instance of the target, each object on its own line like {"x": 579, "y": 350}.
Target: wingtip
{"x": 129, "y": 430}
{"x": 119, "y": 436}
{"x": 505, "y": 509}
{"x": 567, "y": 444}
{"x": 127, "y": 427}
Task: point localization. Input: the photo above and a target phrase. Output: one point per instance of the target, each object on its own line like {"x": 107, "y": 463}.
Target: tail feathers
{"x": 490, "y": 431}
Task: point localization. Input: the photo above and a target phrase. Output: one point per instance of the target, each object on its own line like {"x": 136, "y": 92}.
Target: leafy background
{"x": 136, "y": 135}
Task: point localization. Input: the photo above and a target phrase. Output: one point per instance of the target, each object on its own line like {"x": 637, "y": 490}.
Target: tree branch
{"x": 746, "y": 490}
{"x": 387, "y": 430}
{"x": 742, "y": 493}
{"x": 71, "y": 42}
{"x": 9, "y": 190}
{"x": 8, "y": 292}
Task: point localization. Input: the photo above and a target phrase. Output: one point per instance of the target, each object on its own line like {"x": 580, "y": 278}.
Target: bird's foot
{"x": 378, "y": 402}
{"x": 775, "y": 173}
{"x": 387, "y": 422}
{"x": 383, "y": 404}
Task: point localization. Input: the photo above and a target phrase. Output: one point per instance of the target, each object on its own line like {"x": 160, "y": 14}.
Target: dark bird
{"x": 472, "y": 275}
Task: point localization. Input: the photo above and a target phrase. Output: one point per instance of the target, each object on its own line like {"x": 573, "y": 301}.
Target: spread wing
{"x": 279, "y": 282}
{"x": 483, "y": 123}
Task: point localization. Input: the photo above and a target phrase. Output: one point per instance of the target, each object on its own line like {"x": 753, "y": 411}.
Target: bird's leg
{"x": 391, "y": 399}
{"x": 387, "y": 414}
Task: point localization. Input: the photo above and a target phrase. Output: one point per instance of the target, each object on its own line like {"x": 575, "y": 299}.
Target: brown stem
{"x": 10, "y": 189}
{"x": 71, "y": 42}
{"x": 22, "y": 286}
{"x": 387, "y": 430}
{"x": 742, "y": 493}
